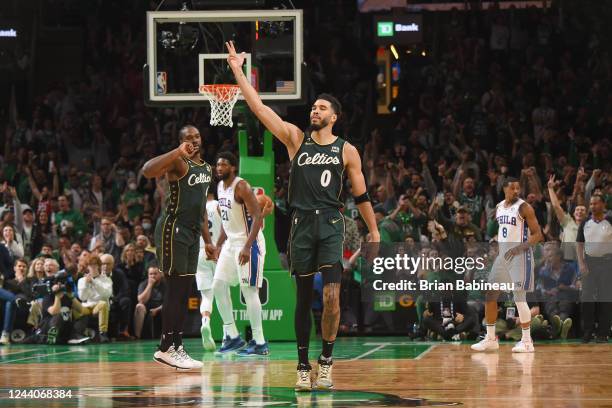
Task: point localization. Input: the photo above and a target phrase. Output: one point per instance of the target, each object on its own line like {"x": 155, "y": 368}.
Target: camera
{"x": 42, "y": 289}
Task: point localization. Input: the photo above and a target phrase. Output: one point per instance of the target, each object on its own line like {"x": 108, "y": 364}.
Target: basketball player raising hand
{"x": 177, "y": 234}
{"x": 319, "y": 160}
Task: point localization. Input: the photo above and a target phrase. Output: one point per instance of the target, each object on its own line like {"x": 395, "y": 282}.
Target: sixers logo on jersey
{"x": 506, "y": 219}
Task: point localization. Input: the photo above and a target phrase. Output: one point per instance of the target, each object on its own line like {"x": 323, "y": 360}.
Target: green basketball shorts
{"x": 177, "y": 247}
{"x": 316, "y": 240}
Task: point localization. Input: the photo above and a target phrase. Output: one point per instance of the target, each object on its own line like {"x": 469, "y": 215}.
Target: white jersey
{"x": 214, "y": 220}
{"x": 214, "y": 223}
{"x": 234, "y": 216}
{"x": 512, "y": 227}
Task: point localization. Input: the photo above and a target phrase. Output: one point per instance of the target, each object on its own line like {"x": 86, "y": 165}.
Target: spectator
{"x": 95, "y": 291}
{"x": 458, "y": 231}
{"x": 29, "y": 233}
{"x": 21, "y": 287}
{"x": 47, "y": 229}
{"x": 556, "y": 283}
{"x": 568, "y": 223}
{"x": 70, "y": 221}
{"x": 150, "y": 300}
{"x": 133, "y": 199}
{"x": 43, "y": 196}
{"x": 132, "y": 268}
{"x": 95, "y": 202}
{"x": 110, "y": 237}
{"x": 37, "y": 269}
{"x": 15, "y": 248}
{"x": 122, "y": 304}
{"x": 149, "y": 256}
{"x": 7, "y": 297}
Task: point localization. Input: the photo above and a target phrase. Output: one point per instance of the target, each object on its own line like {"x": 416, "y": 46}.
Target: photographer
{"x": 58, "y": 306}
{"x": 451, "y": 319}
{"x": 95, "y": 291}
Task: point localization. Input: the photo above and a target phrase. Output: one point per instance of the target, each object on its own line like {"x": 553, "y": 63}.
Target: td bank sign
{"x": 389, "y": 28}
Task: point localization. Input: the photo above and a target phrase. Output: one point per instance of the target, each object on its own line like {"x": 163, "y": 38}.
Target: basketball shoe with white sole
{"x": 486, "y": 344}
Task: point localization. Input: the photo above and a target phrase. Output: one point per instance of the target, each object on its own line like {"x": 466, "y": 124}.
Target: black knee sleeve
{"x": 332, "y": 274}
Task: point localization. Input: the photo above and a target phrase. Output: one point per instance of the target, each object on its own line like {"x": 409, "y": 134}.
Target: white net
{"x": 222, "y": 100}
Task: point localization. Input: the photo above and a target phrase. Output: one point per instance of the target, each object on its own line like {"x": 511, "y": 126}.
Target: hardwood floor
{"x": 367, "y": 372}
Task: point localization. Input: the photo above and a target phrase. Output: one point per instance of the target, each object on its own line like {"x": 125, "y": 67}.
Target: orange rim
{"x": 221, "y": 92}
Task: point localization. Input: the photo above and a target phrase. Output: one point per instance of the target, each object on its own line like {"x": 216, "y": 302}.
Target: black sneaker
{"x": 104, "y": 337}
{"x": 601, "y": 339}
{"x": 588, "y": 336}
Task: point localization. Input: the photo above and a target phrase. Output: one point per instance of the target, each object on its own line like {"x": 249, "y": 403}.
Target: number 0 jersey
{"x": 315, "y": 181}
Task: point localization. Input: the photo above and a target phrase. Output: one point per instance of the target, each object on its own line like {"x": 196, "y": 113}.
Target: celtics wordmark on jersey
{"x": 315, "y": 181}
{"x": 179, "y": 227}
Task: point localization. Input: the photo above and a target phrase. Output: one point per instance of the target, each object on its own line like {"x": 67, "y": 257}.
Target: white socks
{"x": 224, "y": 305}
{"x": 207, "y": 301}
{"x": 253, "y": 305}
{"x": 491, "y": 331}
{"x": 524, "y": 317}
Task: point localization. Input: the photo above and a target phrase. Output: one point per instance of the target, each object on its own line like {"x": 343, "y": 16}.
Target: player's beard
{"x": 223, "y": 177}
{"x": 316, "y": 127}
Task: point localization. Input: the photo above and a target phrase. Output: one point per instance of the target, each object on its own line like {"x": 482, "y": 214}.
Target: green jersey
{"x": 186, "y": 200}
{"x": 315, "y": 181}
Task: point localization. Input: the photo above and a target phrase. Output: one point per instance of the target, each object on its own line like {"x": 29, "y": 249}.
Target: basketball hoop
{"x": 222, "y": 99}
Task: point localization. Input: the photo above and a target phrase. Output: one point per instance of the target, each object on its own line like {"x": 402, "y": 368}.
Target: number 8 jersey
{"x": 315, "y": 181}
{"x": 512, "y": 227}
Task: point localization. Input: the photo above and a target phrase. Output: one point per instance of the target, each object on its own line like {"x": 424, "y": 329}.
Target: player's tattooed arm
{"x": 353, "y": 169}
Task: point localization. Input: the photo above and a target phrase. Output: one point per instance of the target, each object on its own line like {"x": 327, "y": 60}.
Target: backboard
{"x": 186, "y": 49}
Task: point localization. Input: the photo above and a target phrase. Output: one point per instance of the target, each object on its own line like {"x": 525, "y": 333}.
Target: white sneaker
{"x": 523, "y": 347}
{"x": 486, "y": 344}
{"x": 187, "y": 360}
{"x": 5, "y": 338}
{"x": 171, "y": 358}
{"x": 303, "y": 379}
{"x": 207, "y": 341}
{"x": 324, "y": 376}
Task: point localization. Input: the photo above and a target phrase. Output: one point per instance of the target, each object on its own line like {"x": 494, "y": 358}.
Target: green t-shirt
{"x": 76, "y": 218}
{"x": 390, "y": 231}
{"x": 136, "y": 209}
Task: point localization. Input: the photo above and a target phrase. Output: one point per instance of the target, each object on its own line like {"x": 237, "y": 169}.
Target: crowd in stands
{"x": 514, "y": 93}
{"x": 523, "y": 94}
